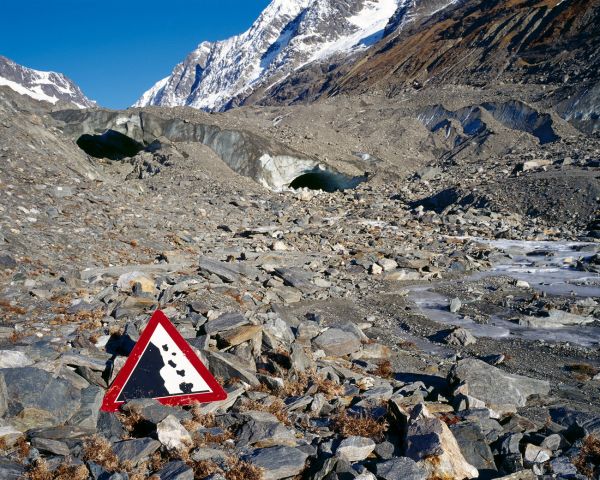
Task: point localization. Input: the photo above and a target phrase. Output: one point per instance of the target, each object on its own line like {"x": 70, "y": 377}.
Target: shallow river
{"x": 547, "y": 268}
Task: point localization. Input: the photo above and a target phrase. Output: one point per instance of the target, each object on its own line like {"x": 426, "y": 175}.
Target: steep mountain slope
{"x": 286, "y": 36}
{"x": 552, "y": 43}
{"x": 49, "y": 87}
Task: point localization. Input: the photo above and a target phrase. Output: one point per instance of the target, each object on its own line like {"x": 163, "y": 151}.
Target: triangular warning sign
{"x": 163, "y": 366}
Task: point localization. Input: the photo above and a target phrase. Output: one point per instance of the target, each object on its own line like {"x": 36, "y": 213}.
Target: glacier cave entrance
{"x": 326, "y": 181}
{"x": 111, "y": 144}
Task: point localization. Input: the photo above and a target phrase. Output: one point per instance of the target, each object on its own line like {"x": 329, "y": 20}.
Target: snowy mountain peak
{"x": 49, "y": 87}
{"x": 287, "y": 35}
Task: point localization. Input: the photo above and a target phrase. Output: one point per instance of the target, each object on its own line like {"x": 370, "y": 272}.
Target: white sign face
{"x": 162, "y": 371}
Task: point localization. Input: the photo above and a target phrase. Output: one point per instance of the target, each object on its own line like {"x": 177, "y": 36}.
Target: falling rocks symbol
{"x": 163, "y": 366}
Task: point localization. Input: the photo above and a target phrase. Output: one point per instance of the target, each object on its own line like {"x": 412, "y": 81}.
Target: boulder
{"x": 172, "y": 434}
{"x": 337, "y": 342}
{"x": 401, "y": 468}
{"x": 29, "y": 387}
{"x": 355, "y": 449}
{"x": 430, "y": 443}
{"x": 460, "y": 337}
{"x": 136, "y": 450}
{"x": 278, "y": 462}
{"x": 175, "y": 470}
{"x": 500, "y": 391}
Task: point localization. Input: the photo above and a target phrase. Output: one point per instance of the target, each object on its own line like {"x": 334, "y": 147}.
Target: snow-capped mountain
{"x": 44, "y": 86}
{"x": 287, "y": 35}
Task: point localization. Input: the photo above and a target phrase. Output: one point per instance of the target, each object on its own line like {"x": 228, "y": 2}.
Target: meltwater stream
{"x": 546, "y": 266}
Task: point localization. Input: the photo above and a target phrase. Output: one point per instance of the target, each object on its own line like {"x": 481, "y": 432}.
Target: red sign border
{"x": 110, "y": 403}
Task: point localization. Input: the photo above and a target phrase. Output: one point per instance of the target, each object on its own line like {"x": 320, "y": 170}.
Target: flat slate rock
{"x": 400, "y": 468}
{"x": 279, "y": 462}
{"x": 175, "y": 471}
{"x": 227, "y": 321}
{"x": 30, "y": 387}
{"x": 337, "y": 342}
{"x": 11, "y": 470}
{"x": 136, "y": 450}
{"x": 498, "y": 389}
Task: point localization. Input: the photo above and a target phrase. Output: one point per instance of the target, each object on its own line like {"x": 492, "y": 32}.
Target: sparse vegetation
{"x": 40, "y": 471}
{"x": 99, "y": 450}
{"x": 588, "y": 460}
{"x": 359, "y": 425}
{"x": 384, "y": 369}
{"x": 583, "y": 371}
{"x": 276, "y": 407}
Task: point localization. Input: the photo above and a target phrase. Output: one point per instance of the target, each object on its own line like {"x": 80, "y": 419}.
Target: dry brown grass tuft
{"x": 588, "y": 460}
{"x": 23, "y": 448}
{"x": 327, "y": 387}
{"x": 582, "y": 371}
{"x": 199, "y": 419}
{"x": 99, "y": 450}
{"x": 9, "y": 308}
{"x": 3, "y": 445}
{"x": 362, "y": 426}
{"x": 205, "y": 468}
{"x": 157, "y": 461}
{"x": 234, "y": 469}
{"x": 277, "y": 408}
{"x": 295, "y": 386}
{"x": 132, "y": 418}
{"x": 240, "y": 470}
{"x": 40, "y": 471}
{"x": 206, "y": 438}
{"x": 384, "y": 369}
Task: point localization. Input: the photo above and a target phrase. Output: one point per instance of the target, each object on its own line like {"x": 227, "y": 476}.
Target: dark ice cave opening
{"x": 326, "y": 181}
{"x": 111, "y": 144}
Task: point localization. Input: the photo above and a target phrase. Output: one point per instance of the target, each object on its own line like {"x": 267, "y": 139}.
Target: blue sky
{"x": 116, "y": 49}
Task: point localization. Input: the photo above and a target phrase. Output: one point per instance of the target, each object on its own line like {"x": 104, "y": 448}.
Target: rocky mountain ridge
{"x": 49, "y": 87}
{"x": 286, "y": 36}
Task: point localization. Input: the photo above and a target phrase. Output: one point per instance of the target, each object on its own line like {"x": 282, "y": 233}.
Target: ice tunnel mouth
{"x": 111, "y": 144}
{"x": 327, "y": 181}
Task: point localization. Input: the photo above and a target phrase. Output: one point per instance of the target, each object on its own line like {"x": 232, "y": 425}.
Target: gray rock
{"x": 297, "y": 278}
{"x": 55, "y": 447}
{"x": 7, "y": 262}
{"x": 534, "y": 455}
{"x": 153, "y": 411}
{"x": 473, "y": 446}
{"x": 279, "y": 462}
{"x": 400, "y": 468}
{"x": 177, "y": 470}
{"x": 226, "y": 365}
{"x": 228, "y": 272}
{"x": 460, "y": 337}
{"x": 135, "y": 451}
{"x": 499, "y": 391}
{"x": 430, "y": 442}
{"x": 264, "y": 430}
{"x": 14, "y": 359}
{"x": 227, "y": 321}
{"x": 11, "y": 470}
{"x": 3, "y": 397}
{"x": 30, "y": 387}
{"x": 172, "y": 434}
{"x": 355, "y": 449}
{"x": 455, "y": 305}
{"x": 337, "y": 342}
{"x": 91, "y": 401}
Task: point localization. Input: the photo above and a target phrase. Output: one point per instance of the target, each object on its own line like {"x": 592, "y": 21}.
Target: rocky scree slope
{"x": 297, "y": 301}
{"x": 49, "y": 87}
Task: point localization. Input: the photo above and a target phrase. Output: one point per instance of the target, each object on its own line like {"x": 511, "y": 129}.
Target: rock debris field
{"x": 436, "y": 322}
